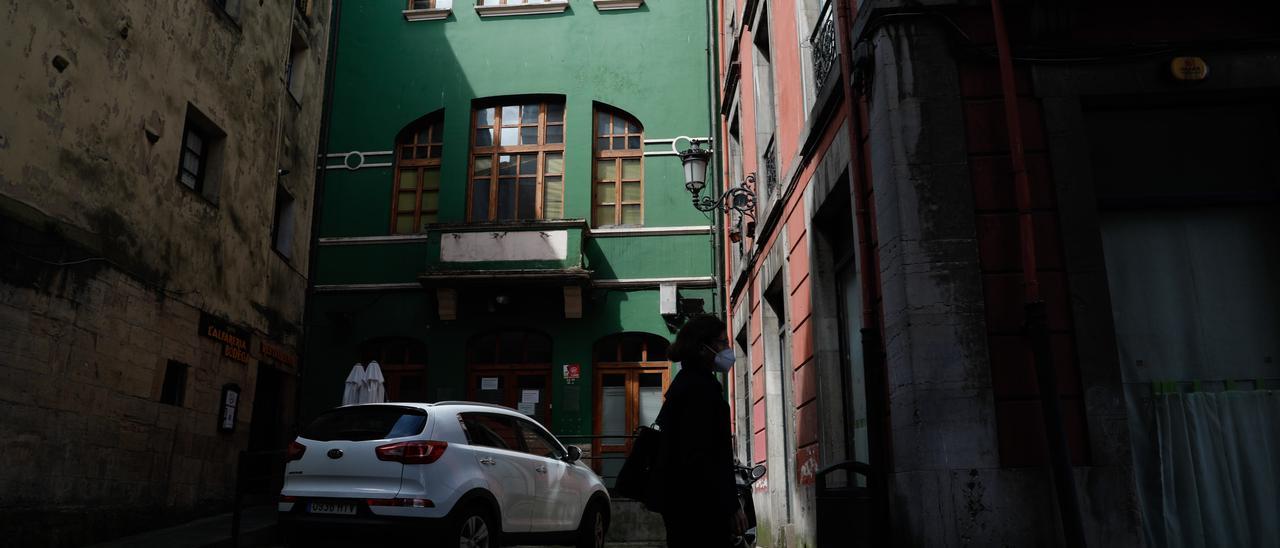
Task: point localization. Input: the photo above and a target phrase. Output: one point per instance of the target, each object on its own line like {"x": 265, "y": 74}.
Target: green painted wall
{"x": 650, "y": 62}
{"x": 649, "y": 257}
{"x": 348, "y": 319}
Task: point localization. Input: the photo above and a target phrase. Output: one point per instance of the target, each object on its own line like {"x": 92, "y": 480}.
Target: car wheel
{"x": 474, "y": 528}
{"x": 593, "y": 527}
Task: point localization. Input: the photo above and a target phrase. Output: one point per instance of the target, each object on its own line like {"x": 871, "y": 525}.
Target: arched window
{"x": 416, "y": 198}
{"x": 631, "y": 348}
{"x": 631, "y": 374}
{"x": 618, "y": 193}
{"x": 517, "y": 161}
{"x": 513, "y": 368}
{"x": 403, "y": 362}
{"x": 510, "y": 347}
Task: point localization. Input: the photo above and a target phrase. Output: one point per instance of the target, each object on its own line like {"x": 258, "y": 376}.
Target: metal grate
{"x": 770, "y": 169}
{"x": 823, "y": 42}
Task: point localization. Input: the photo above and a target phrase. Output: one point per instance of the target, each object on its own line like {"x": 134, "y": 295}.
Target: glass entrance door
{"x": 630, "y": 396}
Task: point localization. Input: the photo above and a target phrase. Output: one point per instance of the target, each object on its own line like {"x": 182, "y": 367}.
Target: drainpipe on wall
{"x": 719, "y": 273}
{"x": 873, "y": 355}
{"x": 1034, "y": 306}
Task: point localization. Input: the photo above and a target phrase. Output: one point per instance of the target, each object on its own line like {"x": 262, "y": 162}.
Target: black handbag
{"x": 639, "y": 478}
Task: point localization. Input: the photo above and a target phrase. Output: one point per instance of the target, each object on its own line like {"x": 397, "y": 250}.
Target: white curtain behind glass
{"x": 1195, "y": 298}
{"x": 614, "y": 410}
{"x": 650, "y": 400}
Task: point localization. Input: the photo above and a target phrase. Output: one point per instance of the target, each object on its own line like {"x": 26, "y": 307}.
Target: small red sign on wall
{"x": 572, "y": 372}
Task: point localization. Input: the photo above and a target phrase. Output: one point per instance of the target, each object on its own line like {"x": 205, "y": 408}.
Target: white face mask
{"x": 724, "y": 360}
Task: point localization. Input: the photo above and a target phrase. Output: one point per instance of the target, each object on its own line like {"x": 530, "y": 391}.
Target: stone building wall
{"x": 93, "y": 452}
{"x": 109, "y": 264}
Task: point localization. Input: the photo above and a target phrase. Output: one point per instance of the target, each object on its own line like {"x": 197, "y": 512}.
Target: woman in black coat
{"x": 699, "y": 499}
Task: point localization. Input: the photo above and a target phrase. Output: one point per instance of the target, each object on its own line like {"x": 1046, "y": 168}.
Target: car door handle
{"x": 541, "y": 469}
{"x": 488, "y": 461}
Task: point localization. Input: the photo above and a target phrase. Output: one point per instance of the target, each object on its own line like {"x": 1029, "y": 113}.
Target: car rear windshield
{"x": 376, "y": 422}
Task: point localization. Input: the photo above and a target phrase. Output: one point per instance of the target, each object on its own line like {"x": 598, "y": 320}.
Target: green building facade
{"x": 502, "y": 210}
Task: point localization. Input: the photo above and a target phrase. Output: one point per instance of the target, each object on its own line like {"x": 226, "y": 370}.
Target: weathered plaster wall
{"x": 73, "y": 145}
{"x": 107, "y": 261}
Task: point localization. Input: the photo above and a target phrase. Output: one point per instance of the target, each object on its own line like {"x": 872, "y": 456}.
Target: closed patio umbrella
{"x": 354, "y": 385}
{"x": 374, "y": 384}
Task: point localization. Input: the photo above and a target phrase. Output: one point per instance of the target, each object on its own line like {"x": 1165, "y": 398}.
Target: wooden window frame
{"x": 202, "y": 156}
{"x": 497, "y": 149}
{"x": 408, "y": 140}
{"x": 618, "y": 156}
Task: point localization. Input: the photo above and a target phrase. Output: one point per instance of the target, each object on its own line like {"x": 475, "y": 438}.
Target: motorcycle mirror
{"x": 574, "y": 454}
{"x": 758, "y": 472}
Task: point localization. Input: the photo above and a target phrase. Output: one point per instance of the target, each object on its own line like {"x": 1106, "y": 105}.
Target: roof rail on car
{"x": 477, "y": 403}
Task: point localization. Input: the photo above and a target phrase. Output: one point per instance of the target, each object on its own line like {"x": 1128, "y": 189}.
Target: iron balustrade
{"x": 770, "y": 170}
{"x": 823, "y": 43}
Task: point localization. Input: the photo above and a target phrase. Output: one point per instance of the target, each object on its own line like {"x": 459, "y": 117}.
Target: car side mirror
{"x": 757, "y": 472}
{"x": 574, "y": 455}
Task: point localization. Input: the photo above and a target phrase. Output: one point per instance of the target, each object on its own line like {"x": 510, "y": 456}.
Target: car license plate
{"x": 332, "y": 508}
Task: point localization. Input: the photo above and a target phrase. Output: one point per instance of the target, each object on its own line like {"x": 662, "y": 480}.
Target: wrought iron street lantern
{"x": 740, "y": 198}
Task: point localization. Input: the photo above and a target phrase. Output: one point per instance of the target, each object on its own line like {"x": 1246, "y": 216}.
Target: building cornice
{"x": 337, "y": 288}
{"x": 362, "y": 240}
{"x": 649, "y": 231}
{"x": 682, "y": 281}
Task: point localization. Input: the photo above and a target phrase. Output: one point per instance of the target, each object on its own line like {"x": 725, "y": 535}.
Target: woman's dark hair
{"x": 700, "y": 330}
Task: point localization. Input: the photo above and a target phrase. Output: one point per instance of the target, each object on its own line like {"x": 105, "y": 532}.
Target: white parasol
{"x": 355, "y": 385}
{"x": 375, "y": 390}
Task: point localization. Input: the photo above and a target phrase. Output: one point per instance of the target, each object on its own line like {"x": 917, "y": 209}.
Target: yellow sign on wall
{"x": 1189, "y": 68}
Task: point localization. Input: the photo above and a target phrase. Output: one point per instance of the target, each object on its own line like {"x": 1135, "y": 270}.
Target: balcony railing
{"x": 823, "y": 42}
{"x": 770, "y": 170}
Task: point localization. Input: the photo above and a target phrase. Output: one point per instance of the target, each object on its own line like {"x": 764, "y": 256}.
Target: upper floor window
{"x": 295, "y": 71}
{"x": 517, "y": 162}
{"x": 427, "y": 10}
{"x": 618, "y": 194}
{"x": 199, "y": 165}
{"x": 631, "y": 348}
{"x": 230, "y": 7}
{"x": 282, "y": 228}
{"x": 416, "y": 200}
{"x": 491, "y": 8}
{"x": 515, "y": 346}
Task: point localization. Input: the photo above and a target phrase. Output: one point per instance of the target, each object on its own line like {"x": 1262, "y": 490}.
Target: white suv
{"x": 450, "y": 473}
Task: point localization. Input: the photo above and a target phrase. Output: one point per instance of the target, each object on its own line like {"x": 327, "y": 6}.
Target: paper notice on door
{"x": 489, "y": 383}
{"x": 528, "y": 408}
{"x": 530, "y": 396}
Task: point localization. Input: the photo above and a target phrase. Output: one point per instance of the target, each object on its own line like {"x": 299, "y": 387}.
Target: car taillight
{"x": 412, "y": 452}
{"x": 295, "y": 451}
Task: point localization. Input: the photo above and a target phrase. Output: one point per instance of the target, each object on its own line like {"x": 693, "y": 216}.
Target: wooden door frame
{"x": 513, "y": 370}
{"x": 632, "y": 395}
